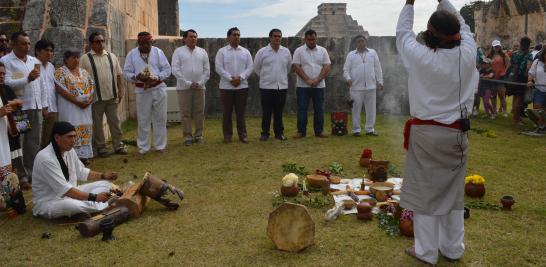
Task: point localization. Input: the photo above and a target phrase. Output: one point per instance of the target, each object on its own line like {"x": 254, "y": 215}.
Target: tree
{"x": 467, "y": 11}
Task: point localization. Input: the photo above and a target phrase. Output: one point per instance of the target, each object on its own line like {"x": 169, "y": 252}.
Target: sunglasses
{"x": 4, "y": 40}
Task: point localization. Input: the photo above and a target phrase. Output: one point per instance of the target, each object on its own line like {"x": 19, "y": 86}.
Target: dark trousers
{"x": 273, "y": 101}
{"x": 233, "y": 99}
{"x": 304, "y": 95}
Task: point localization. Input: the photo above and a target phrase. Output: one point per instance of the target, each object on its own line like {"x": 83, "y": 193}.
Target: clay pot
{"x": 381, "y": 196}
{"x": 290, "y": 191}
{"x": 317, "y": 181}
{"x": 370, "y": 201}
{"x": 406, "y": 227}
{"x": 507, "y": 202}
{"x": 365, "y": 162}
{"x": 366, "y": 153}
{"x": 364, "y": 216}
{"x": 364, "y": 207}
{"x": 474, "y": 190}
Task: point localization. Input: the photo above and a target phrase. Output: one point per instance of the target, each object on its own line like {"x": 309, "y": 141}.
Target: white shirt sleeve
{"x": 289, "y": 62}
{"x": 164, "y": 66}
{"x": 248, "y": 66}
{"x": 297, "y": 57}
{"x": 326, "y": 59}
{"x": 378, "y": 70}
{"x": 347, "y": 67}
{"x": 129, "y": 68}
{"x": 258, "y": 62}
{"x": 533, "y": 69}
{"x": 206, "y": 70}
{"x": 408, "y": 47}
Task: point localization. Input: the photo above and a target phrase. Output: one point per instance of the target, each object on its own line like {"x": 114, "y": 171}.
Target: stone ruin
{"x": 332, "y": 21}
{"x": 509, "y": 20}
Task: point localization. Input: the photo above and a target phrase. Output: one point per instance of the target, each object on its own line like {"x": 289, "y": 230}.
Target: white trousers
{"x": 444, "y": 233}
{"x": 151, "y": 108}
{"x": 366, "y": 98}
{"x": 66, "y": 206}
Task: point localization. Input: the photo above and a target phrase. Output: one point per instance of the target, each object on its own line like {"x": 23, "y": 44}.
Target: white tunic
{"x": 189, "y": 66}
{"x": 441, "y": 82}
{"x": 158, "y": 64}
{"x": 48, "y": 181}
{"x": 5, "y": 155}
{"x": 231, "y": 62}
{"x": 363, "y": 69}
{"x": 273, "y": 67}
{"x": 311, "y": 61}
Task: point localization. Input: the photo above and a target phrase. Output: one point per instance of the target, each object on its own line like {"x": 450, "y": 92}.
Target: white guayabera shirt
{"x": 311, "y": 61}
{"x": 231, "y": 62}
{"x": 440, "y": 82}
{"x": 273, "y": 67}
{"x": 363, "y": 69}
{"x": 17, "y": 78}
{"x": 190, "y": 66}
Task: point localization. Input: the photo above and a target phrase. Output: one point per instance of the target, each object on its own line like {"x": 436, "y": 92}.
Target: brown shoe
{"x": 299, "y": 135}
{"x": 322, "y": 135}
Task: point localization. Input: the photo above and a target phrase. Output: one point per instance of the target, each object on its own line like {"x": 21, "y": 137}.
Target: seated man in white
{"x": 57, "y": 169}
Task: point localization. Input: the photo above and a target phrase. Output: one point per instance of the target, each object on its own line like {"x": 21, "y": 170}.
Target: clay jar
{"x": 365, "y": 162}
{"x": 406, "y": 227}
{"x": 290, "y": 191}
{"x": 474, "y": 190}
{"x": 364, "y": 211}
{"x": 507, "y": 202}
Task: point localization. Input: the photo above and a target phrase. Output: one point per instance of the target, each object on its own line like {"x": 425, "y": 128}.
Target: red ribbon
{"x": 415, "y": 121}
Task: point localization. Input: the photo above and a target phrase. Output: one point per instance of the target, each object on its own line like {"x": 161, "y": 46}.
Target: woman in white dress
{"x": 75, "y": 86}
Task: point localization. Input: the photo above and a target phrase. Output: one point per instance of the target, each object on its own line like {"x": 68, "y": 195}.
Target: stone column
{"x": 168, "y": 18}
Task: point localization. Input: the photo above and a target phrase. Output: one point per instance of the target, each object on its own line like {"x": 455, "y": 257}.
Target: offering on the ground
{"x": 365, "y": 158}
{"x": 378, "y": 170}
{"x": 91, "y": 227}
{"x": 291, "y": 228}
{"x": 507, "y": 202}
{"x": 339, "y": 121}
{"x": 289, "y": 186}
{"x": 158, "y": 189}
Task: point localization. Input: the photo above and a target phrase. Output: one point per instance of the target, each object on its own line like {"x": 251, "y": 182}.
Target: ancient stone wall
{"x": 506, "y": 19}
{"x": 393, "y": 99}
{"x": 11, "y": 15}
{"x": 168, "y": 17}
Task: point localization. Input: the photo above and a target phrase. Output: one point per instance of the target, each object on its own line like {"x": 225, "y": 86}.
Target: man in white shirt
{"x": 234, "y": 65}
{"x": 272, "y": 64}
{"x": 311, "y": 63}
{"x": 23, "y": 76}
{"x": 362, "y": 71}
{"x": 44, "y": 50}
{"x": 442, "y": 78}
{"x": 191, "y": 68}
{"x": 104, "y": 67}
{"x": 147, "y": 67}
{"x": 55, "y": 190}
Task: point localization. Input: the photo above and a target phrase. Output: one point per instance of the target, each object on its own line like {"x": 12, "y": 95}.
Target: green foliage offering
{"x": 388, "y": 223}
{"x": 292, "y": 167}
{"x": 484, "y": 132}
{"x": 393, "y": 171}
{"x": 314, "y": 201}
{"x": 336, "y": 168}
{"x": 482, "y": 205}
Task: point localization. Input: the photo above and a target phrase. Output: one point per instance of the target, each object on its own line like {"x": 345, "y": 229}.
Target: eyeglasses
{"x": 99, "y": 41}
{"x": 4, "y": 40}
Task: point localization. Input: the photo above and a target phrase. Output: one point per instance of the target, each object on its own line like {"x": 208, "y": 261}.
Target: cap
{"x": 496, "y": 43}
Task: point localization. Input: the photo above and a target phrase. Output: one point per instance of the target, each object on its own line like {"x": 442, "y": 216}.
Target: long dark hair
{"x": 492, "y": 53}
{"x": 61, "y": 128}
{"x": 446, "y": 25}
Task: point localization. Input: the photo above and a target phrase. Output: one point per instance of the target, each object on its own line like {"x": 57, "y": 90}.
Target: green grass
{"x": 228, "y": 189}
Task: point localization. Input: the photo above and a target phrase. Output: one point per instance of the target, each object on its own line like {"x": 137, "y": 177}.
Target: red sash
{"x": 415, "y": 121}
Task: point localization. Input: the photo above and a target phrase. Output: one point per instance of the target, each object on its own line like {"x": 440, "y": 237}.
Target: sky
{"x": 212, "y": 18}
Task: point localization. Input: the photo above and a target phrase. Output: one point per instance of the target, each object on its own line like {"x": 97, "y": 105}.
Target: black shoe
{"x": 357, "y": 134}
{"x": 264, "y": 137}
{"x": 188, "y": 143}
{"x": 281, "y": 137}
{"x": 372, "y": 134}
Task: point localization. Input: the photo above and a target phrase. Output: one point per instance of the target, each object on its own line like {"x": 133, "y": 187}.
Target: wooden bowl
{"x": 317, "y": 181}
{"x": 385, "y": 187}
{"x": 348, "y": 204}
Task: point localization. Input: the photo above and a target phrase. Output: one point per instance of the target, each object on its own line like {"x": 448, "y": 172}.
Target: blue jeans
{"x": 304, "y": 94}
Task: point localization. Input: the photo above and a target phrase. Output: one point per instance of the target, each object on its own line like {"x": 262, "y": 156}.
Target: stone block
{"x": 99, "y": 13}
{"x": 34, "y": 15}
{"x": 68, "y": 13}
{"x": 11, "y": 13}
{"x": 64, "y": 37}
{"x": 11, "y": 27}
{"x": 13, "y": 3}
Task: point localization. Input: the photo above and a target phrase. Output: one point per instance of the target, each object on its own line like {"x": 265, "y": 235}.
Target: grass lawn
{"x": 229, "y": 189}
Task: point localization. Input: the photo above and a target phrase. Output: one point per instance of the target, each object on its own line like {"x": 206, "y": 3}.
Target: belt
{"x": 152, "y": 84}
{"x": 415, "y": 121}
